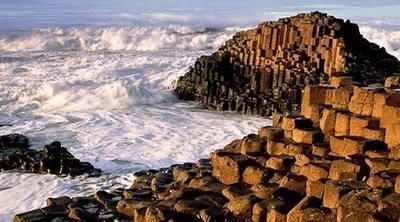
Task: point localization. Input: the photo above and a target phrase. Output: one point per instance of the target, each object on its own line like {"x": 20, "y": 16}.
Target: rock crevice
{"x": 336, "y": 160}
{"x": 339, "y": 162}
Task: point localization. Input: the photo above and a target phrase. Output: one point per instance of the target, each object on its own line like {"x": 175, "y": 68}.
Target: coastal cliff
{"x": 264, "y": 70}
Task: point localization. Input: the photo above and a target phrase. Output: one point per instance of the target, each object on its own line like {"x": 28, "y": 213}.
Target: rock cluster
{"x": 337, "y": 160}
{"x": 264, "y": 70}
{"x": 53, "y": 158}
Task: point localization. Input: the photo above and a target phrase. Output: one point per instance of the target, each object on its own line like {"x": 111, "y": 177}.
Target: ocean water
{"x": 97, "y": 76}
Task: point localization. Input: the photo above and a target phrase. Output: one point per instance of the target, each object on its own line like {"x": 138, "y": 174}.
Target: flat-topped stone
{"x": 264, "y": 70}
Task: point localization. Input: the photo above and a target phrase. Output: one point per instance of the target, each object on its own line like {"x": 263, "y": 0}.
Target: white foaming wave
{"x": 76, "y": 95}
{"x": 73, "y": 81}
{"x": 13, "y": 189}
{"x": 114, "y": 39}
{"x": 389, "y": 39}
{"x": 112, "y": 109}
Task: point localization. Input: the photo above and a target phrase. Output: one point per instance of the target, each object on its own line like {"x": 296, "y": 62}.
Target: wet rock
{"x": 389, "y": 208}
{"x": 337, "y": 160}
{"x": 105, "y": 198}
{"x": 44, "y": 214}
{"x": 335, "y": 190}
{"x": 131, "y": 207}
{"x": 84, "y": 200}
{"x": 359, "y": 205}
{"x": 34, "y": 215}
{"x": 13, "y": 141}
{"x": 53, "y": 159}
{"x": 59, "y": 201}
{"x": 80, "y": 214}
{"x": 138, "y": 193}
{"x": 161, "y": 183}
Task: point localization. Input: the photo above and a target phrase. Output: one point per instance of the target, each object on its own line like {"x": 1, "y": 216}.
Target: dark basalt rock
{"x": 272, "y": 176}
{"x": 52, "y": 159}
{"x": 337, "y": 160}
{"x": 263, "y": 70}
{"x": 13, "y": 141}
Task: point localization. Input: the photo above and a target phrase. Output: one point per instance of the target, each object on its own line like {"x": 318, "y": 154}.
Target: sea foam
{"x": 389, "y": 39}
{"x": 113, "y": 38}
{"x": 104, "y": 93}
{"x": 108, "y": 101}
{"x": 149, "y": 38}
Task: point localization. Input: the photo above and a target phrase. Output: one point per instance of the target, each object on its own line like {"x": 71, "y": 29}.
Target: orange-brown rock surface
{"x": 336, "y": 160}
{"x": 324, "y": 169}
{"x": 264, "y": 70}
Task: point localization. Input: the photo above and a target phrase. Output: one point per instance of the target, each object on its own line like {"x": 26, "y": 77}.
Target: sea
{"x": 98, "y": 75}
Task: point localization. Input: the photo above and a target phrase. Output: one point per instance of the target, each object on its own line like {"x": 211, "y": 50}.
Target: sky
{"x": 49, "y": 13}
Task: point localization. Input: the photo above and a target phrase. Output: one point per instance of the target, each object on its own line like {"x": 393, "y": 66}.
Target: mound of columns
{"x": 337, "y": 160}
{"x": 264, "y": 70}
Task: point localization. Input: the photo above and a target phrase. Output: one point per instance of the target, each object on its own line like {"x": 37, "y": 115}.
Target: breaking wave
{"x": 75, "y": 96}
{"x": 113, "y": 38}
{"x": 147, "y": 38}
{"x": 389, "y": 39}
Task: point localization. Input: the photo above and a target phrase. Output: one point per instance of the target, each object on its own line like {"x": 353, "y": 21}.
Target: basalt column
{"x": 263, "y": 70}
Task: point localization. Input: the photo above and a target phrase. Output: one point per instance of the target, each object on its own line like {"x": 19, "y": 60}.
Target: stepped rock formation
{"x": 263, "y": 70}
{"x": 343, "y": 164}
{"x": 53, "y": 158}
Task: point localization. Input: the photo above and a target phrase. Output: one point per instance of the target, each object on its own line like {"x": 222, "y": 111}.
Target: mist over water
{"x": 98, "y": 77}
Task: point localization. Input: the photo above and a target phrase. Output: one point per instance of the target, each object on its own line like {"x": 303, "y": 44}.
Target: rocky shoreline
{"x": 53, "y": 158}
{"x": 342, "y": 164}
{"x": 336, "y": 158}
